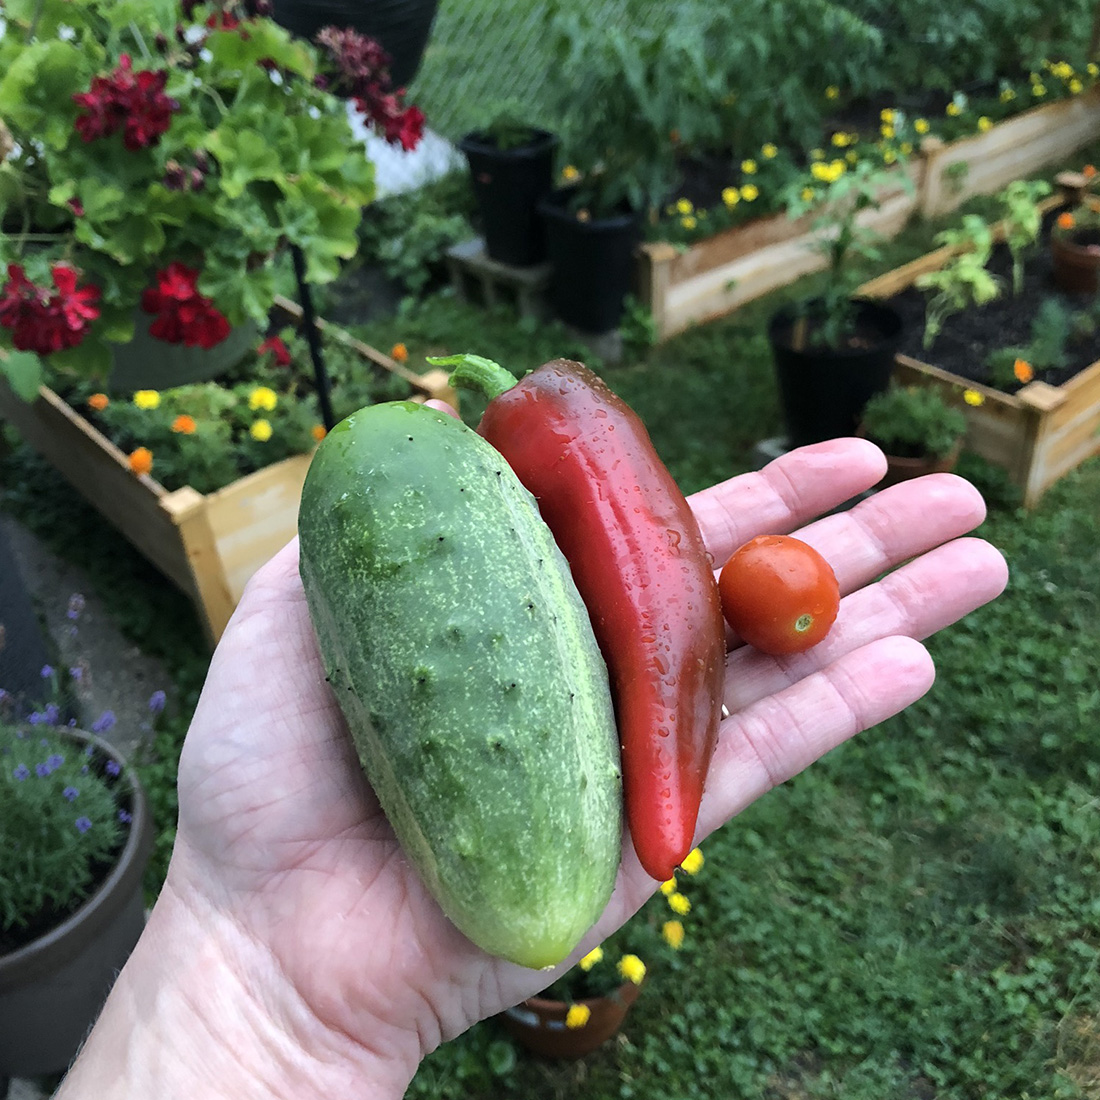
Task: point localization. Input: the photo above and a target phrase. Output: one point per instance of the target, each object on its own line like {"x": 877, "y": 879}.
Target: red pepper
{"x": 639, "y": 563}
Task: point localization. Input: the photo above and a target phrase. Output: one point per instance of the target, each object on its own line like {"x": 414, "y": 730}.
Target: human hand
{"x": 289, "y": 906}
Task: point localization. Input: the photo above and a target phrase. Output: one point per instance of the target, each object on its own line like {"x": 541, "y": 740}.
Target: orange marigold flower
{"x": 399, "y": 352}
{"x": 1022, "y": 369}
{"x": 1089, "y": 171}
{"x": 1065, "y": 220}
{"x": 318, "y": 432}
{"x": 98, "y": 401}
{"x": 141, "y": 460}
{"x": 183, "y": 424}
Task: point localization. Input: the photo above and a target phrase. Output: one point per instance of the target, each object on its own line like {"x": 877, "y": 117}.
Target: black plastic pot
{"x": 592, "y": 263}
{"x": 401, "y": 26}
{"x": 52, "y": 989}
{"x": 508, "y": 185}
{"x": 822, "y": 391}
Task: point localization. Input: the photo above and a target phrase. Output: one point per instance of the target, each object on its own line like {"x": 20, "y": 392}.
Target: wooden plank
{"x": 1011, "y": 150}
{"x": 100, "y": 472}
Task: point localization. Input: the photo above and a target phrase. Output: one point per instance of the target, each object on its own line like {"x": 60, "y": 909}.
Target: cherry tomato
{"x": 778, "y": 594}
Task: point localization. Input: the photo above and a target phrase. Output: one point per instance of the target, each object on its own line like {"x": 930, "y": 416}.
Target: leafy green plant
{"x": 913, "y": 422}
{"x": 836, "y": 206}
{"x": 160, "y": 161}
{"x": 1055, "y": 328}
{"x": 1022, "y": 219}
{"x": 964, "y": 280}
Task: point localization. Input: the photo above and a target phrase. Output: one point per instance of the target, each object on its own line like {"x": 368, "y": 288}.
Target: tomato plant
{"x": 779, "y": 594}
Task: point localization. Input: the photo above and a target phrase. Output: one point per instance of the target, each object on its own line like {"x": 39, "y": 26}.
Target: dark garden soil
{"x": 968, "y": 338}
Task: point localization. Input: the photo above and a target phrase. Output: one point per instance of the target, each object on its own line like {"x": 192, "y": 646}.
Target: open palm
{"x": 282, "y": 845}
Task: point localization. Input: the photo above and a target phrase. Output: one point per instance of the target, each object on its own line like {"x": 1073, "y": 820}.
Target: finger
{"x": 894, "y": 525}
{"x": 788, "y": 492}
{"x": 779, "y": 735}
{"x": 918, "y": 599}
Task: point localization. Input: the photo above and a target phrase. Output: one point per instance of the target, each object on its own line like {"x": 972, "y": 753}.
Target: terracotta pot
{"x": 902, "y": 469}
{"x": 52, "y": 989}
{"x": 539, "y": 1023}
{"x": 1075, "y": 265}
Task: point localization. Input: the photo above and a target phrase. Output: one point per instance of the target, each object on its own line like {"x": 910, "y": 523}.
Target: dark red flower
{"x": 275, "y": 345}
{"x": 183, "y": 315}
{"x": 134, "y": 103}
{"x": 45, "y": 321}
{"x": 223, "y": 20}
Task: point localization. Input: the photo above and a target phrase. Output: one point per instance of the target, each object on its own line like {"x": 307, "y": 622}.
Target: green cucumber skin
{"x": 464, "y": 661}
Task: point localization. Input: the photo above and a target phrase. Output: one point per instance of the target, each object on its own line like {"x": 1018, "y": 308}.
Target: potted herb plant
{"x": 160, "y": 159}
{"x": 1075, "y": 247}
{"x": 918, "y": 431}
{"x": 75, "y": 835}
{"x": 834, "y": 351}
{"x": 511, "y": 170}
{"x": 588, "y": 1004}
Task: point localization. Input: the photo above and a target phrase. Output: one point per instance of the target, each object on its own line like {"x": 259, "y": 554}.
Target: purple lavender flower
{"x": 55, "y": 760}
{"x": 35, "y": 718}
{"x": 47, "y": 672}
{"x": 113, "y": 767}
{"x": 104, "y": 722}
{"x": 53, "y": 713}
{"x": 70, "y": 793}
{"x": 125, "y": 817}
{"x": 82, "y": 824}
{"x": 42, "y": 770}
{"x": 21, "y": 772}
{"x": 76, "y": 605}
{"x": 77, "y": 673}
{"x": 157, "y": 701}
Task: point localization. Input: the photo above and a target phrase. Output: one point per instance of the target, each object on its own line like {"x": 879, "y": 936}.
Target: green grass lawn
{"x": 916, "y": 916}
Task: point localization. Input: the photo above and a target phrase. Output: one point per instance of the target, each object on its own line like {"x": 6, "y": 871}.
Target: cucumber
{"x": 464, "y": 661}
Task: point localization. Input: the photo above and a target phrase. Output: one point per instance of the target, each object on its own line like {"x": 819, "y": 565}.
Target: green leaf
{"x": 23, "y": 370}
{"x": 244, "y": 158}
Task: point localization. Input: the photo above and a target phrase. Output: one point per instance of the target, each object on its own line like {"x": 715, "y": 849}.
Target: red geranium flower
{"x": 132, "y": 102}
{"x": 45, "y": 321}
{"x": 183, "y": 315}
{"x": 275, "y": 345}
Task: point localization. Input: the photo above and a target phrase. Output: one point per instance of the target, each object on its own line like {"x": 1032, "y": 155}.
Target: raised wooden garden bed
{"x": 208, "y": 544}
{"x": 1037, "y": 434}
{"x": 711, "y": 278}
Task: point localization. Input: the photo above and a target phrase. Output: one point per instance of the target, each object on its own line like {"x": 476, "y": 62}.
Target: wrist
{"x": 200, "y": 1010}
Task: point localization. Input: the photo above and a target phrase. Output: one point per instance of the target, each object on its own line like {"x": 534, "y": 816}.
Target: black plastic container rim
{"x": 553, "y": 206}
{"x": 478, "y": 141}
{"x": 889, "y": 319}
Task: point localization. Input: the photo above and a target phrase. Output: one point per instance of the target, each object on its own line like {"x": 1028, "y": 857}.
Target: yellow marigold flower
{"x": 840, "y": 139}
{"x": 693, "y": 861}
{"x": 147, "y": 399}
{"x": 399, "y": 352}
{"x": 1038, "y": 89}
{"x": 985, "y": 124}
{"x": 594, "y": 956}
{"x": 851, "y": 156}
{"x": 98, "y": 401}
{"x": 683, "y": 206}
{"x": 1008, "y": 95}
{"x": 889, "y": 156}
{"x": 887, "y": 130}
{"x": 886, "y": 114}
{"x": 263, "y": 397}
{"x": 260, "y": 431}
{"x": 921, "y": 125}
{"x": 1076, "y": 87}
{"x": 673, "y": 932}
{"x": 731, "y": 196}
{"x": 953, "y": 109}
{"x": 1063, "y": 70}
{"x": 768, "y": 150}
{"x": 570, "y": 173}
{"x": 1092, "y": 69}
{"x": 577, "y": 1016}
{"x": 906, "y": 148}
{"x": 820, "y": 171}
{"x": 632, "y": 968}
{"x": 318, "y": 431}
{"x": 184, "y": 424}
{"x": 750, "y": 192}
{"x": 817, "y": 154}
{"x": 808, "y": 194}
{"x": 973, "y": 397}
{"x": 748, "y": 167}
{"x": 688, "y": 222}
{"x": 668, "y": 886}
{"x": 832, "y": 92}
{"x": 141, "y": 461}
{"x": 1022, "y": 369}
{"x": 679, "y": 904}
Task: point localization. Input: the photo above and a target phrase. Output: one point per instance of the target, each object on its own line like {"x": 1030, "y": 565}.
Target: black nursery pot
{"x": 507, "y": 185}
{"x": 592, "y": 264}
{"x": 822, "y": 391}
{"x": 400, "y": 26}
